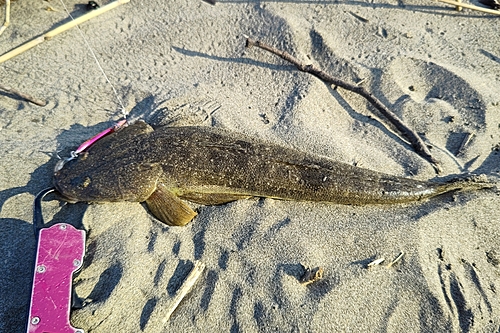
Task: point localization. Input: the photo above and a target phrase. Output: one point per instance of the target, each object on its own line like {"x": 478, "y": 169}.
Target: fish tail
{"x": 469, "y": 183}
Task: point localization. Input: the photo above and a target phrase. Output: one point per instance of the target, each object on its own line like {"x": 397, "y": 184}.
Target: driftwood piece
{"x": 415, "y": 140}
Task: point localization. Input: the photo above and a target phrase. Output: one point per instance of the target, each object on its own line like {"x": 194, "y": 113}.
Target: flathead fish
{"x": 213, "y": 166}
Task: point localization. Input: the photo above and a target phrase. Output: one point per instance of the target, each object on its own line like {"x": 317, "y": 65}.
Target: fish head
{"x": 95, "y": 178}
{"x": 116, "y": 167}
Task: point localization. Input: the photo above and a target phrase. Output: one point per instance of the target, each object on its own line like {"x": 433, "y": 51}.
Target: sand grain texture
{"x": 184, "y": 62}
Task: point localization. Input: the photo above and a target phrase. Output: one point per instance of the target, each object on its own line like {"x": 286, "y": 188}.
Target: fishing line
{"x": 97, "y": 62}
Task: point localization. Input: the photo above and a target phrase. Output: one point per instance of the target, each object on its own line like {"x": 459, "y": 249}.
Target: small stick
{"x": 415, "y": 140}
{"x": 23, "y": 95}
{"x": 6, "y": 22}
{"x": 375, "y": 262}
{"x": 185, "y": 288}
{"x": 395, "y": 261}
{"x": 459, "y": 8}
{"x": 466, "y": 5}
{"x": 360, "y": 82}
{"x": 62, "y": 28}
{"x": 311, "y": 275}
{"x": 465, "y": 142}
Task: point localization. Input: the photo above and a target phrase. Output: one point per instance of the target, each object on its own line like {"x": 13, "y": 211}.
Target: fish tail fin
{"x": 469, "y": 183}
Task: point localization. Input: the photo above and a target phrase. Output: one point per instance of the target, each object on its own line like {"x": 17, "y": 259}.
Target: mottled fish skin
{"x": 213, "y": 166}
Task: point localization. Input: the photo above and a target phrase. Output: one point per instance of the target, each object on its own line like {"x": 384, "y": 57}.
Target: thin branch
{"x": 466, "y": 5}
{"x": 23, "y": 95}
{"x": 414, "y": 139}
{"x": 395, "y": 261}
{"x": 6, "y": 21}
{"x": 184, "y": 289}
{"x": 38, "y": 40}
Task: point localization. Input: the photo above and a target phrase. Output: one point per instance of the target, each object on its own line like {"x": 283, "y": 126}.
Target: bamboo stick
{"x": 466, "y": 5}
{"x": 6, "y": 22}
{"x": 56, "y": 31}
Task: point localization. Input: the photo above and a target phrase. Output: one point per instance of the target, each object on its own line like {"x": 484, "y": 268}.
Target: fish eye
{"x": 81, "y": 182}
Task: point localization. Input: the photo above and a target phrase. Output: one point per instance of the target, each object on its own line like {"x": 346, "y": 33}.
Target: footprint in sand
{"x": 460, "y": 270}
{"x": 435, "y": 101}
{"x": 425, "y": 81}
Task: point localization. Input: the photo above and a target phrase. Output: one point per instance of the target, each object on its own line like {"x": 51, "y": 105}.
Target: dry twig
{"x": 6, "y": 21}
{"x": 38, "y": 40}
{"x": 23, "y": 95}
{"x": 395, "y": 261}
{"x": 375, "y": 262}
{"x": 458, "y": 4}
{"x": 465, "y": 142}
{"x": 184, "y": 289}
{"x": 414, "y": 139}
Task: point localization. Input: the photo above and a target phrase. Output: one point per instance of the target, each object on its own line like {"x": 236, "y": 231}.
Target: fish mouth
{"x": 65, "y": 198}
{"x": 62, "y": 196}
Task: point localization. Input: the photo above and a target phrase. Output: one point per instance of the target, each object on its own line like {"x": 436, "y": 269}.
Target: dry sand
{"x": 436, "y": 68}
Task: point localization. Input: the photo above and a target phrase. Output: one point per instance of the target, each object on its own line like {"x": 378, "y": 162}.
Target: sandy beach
{"x": 185, "y": 63}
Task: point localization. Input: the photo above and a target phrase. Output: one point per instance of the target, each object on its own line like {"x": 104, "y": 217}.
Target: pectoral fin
{"x": 212, "y": 198}
{"x": 168, "y": 208}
